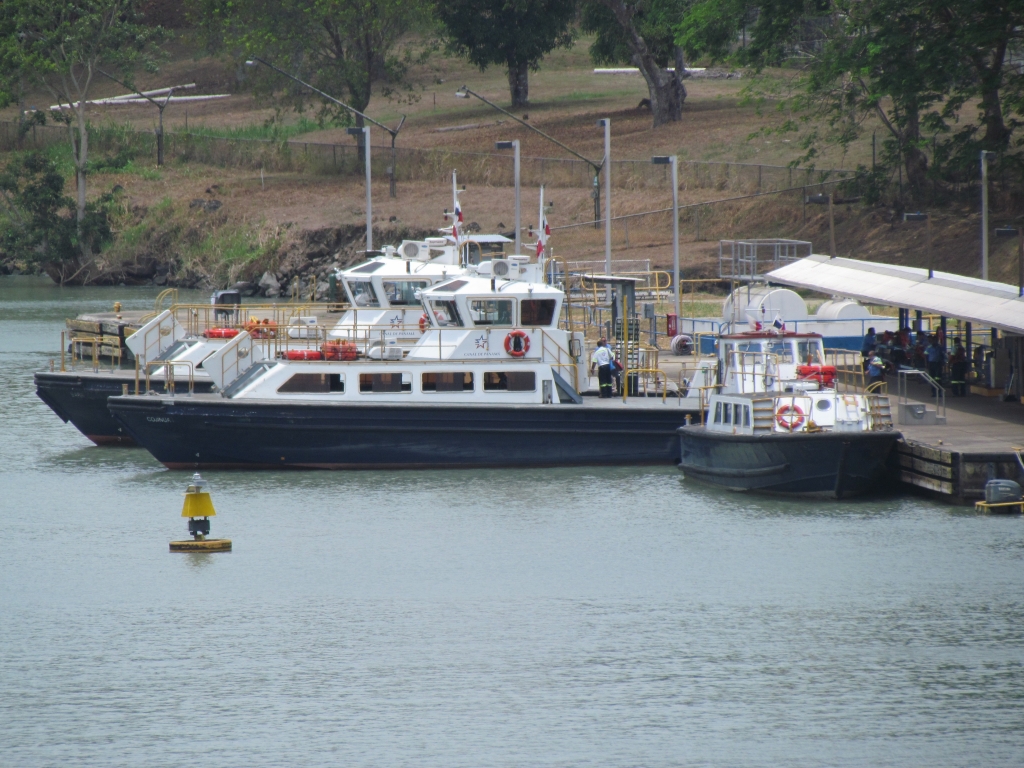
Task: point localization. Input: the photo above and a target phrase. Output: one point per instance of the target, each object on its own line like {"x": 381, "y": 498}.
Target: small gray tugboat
{"x": 804, "y": 442}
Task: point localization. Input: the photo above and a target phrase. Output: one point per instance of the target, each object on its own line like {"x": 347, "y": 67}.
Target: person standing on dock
{"x": 876, "y": 369}
{"x": 602, "y": 360}
{"x": 935, "y": 356}
{"x": 867, "y": 347}
{"x": 958, "y": 371}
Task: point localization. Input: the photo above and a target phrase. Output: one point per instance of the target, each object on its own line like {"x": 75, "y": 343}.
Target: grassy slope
{"x": 566, "y": 100}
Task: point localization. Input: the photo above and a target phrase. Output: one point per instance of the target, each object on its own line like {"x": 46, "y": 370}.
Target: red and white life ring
{"x": 517, "y": 343}
{"x": 304, "y": 354}
{"x": 789, "y": 416}
{"x": 220, "y": 333}
{"x": 424, "y": 322}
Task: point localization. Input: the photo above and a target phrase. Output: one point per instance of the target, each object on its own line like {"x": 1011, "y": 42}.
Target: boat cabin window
{"x": 782, "y": 350}
{"x": 809, "y": 351}
{"x": 447, "y": 382}
{"x": 362, "y": 293}
{"x": 402, "y": 293}
{"x": 474, "y": 252}
{"x": 718, "y": 412}
{"x": 492, "y": 311}
{"x": 537, "y": 312}
{"x": 377, "y": 383}
{"x": 510, "y": 381}
{"x": 446, "y": 313}
{"x": 319, "y": 383}
{"x": 727, "y": 415}
{"x": 746, "y": 415}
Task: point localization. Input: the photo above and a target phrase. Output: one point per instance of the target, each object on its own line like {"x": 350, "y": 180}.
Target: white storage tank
{"x": 842, "y": 309}
{"x": 745, "y": 305}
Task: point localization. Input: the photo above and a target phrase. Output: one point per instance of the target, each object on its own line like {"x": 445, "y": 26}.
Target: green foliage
{"x": 513, "y": 33}
{"x": 61, "y": 47}
{"x": 654, "y": 20}
{"x": 343, "y": 47}
{"x": 271, "y": 130}
{"x": 37, "y": 220}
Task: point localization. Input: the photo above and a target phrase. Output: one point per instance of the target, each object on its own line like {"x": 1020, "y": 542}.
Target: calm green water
{"x": 485, "y": 618}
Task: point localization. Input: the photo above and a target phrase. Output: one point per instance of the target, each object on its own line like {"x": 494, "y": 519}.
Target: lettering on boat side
{"x": 160, "y": 419}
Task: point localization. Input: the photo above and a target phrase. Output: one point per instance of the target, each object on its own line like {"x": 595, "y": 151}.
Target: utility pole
{"x": 984, "y": 213}
{"x": 365, "y": 130}
{"x": 514, "y": 145}
{"x": 606, "y": 123}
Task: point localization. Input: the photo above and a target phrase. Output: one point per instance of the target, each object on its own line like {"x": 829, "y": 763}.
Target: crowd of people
{"x": 889, "y": 351}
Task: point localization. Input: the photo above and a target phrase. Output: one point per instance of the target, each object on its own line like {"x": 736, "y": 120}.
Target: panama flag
{"x": 458, "y": 211}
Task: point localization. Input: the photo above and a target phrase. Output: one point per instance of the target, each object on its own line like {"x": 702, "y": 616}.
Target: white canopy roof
{"x": 967, "y": 298}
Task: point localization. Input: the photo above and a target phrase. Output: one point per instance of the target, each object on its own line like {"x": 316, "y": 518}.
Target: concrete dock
{"x": 982, "y": 440}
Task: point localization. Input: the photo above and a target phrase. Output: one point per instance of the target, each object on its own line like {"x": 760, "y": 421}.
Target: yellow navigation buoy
{"x": 199, "y": 509}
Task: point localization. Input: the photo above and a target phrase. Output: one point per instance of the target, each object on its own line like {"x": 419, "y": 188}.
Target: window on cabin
{"x": 810, "y": 352}
{"x": 510, "y": 381}
{"x": 746, "y": 415}
{"x": 402, "y": 293}
{"x": 537, "y": 312}
{"x": 447, "y": 382}
{"x": 446, "y": 313}
{"x": 316, "y": 383}
{"x": 718, "y": 412}
{"x": 378, "y": 383}
{"x": 362, "y": 292}
{"x": 727, "y": 419}
{"x": 492, "y": 311}
{"x": 782, "y": 350}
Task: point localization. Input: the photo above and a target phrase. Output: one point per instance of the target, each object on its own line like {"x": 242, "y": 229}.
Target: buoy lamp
{"x": 198, "y": 508}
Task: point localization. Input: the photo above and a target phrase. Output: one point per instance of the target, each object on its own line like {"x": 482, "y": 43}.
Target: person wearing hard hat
{"x": 602, "y": 360}
{"x": 876, "y": 369}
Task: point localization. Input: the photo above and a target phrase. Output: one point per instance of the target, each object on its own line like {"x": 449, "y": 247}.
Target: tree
{"x": 516, "y": 33}
{"x": 641, "y": 32}
{"x": 59, "y": 47}
{"x": 342, "y": 47}
{"x": 37, "y": 220}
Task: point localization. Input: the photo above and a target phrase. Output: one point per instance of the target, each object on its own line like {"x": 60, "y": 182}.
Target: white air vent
{"x": 436, "y": 242}
{"x": 500, "y": 267}
{"x": 392, "y": 353}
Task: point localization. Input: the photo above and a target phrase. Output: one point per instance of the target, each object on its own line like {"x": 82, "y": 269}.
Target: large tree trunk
{"x": 519, "y": 83}
{"x": 914, "y": 159}
{"x": 666, "y": 89}
{"x": 990, "y": 78}
{"x": 81, "y": 164}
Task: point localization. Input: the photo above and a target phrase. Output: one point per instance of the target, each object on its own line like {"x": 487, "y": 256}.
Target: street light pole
{"x": 365, "y": 130}
{"x": 514, "y": 145}
{"x": 606, "y": 123}
{"x": 393, "y": 131}
{"x": 673, "y": 161}
{"x": 984, "y": 213}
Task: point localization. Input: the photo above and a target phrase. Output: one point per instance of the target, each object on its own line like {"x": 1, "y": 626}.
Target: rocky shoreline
{"x": 304, "y": 262}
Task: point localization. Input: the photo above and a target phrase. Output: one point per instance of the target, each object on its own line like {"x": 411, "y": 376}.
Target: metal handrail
{"x": 902, "y": 376}
{"x": 626, "y": 372}
{"x": 170, "y": 365}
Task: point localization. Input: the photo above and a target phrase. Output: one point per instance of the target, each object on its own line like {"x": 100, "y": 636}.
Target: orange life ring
{"x": 304, "y": 354}
{"x": 220, "y": 333}
{"x": 424, "y": 322}
{"x": 517, "y": 343}
{"x": 789, "y": 416}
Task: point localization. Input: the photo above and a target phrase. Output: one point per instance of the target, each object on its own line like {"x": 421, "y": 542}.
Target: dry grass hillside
{"x": 265, "y": 212}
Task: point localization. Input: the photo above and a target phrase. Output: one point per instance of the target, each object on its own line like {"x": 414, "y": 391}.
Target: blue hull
{"x": 211, "y": 432}
{"x": 80, "y": 397}
{"x": 829, "y": 464}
